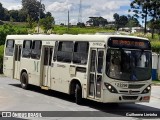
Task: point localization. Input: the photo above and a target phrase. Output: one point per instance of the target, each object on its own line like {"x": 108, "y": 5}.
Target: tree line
{"x": 119, "y": 21}
{"x": 30, "y": 12}
{"x": 149, "y": 11}
{"x": 125, "y": 21}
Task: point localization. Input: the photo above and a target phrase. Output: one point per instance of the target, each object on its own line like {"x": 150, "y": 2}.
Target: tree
{"x": 102, "y": 21}
{"x": 97, "y": 21}
{"x": 155, "y": 25}
{"x": 80, "y": 24}
{"x": 32, "y": 8}
{"x": 48, "y": 14}
{"x": 1, "y": 12}
{"x": 47, "y": 23}
{"x": 22, "y": 16}
{"x": 120, "y": 21}
{"x": 30, "y": 21}
{"x": 14, "y": 15}
{"x": 154, "y": 12}
{"x": 132, "y": 22}
{"x": 123, "y": 20}
{"x": 140, "y": 9}
{"x": 116, "y": 18}
{"x": 6, "y": 15}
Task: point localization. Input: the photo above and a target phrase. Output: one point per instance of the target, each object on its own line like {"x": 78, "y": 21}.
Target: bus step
{"x": 44, "y": 87}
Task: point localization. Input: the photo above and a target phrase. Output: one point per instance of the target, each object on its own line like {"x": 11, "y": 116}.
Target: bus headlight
{"x": 110, "y": 88}
{"x": 147, "y": 89}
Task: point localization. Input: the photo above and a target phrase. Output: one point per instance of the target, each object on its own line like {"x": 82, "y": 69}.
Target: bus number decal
{"x": 97, "y": 44}
{"x": 122, "y": 85}
{"x": 47, "y": 42}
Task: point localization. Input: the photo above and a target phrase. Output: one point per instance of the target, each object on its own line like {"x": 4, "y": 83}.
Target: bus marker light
{"x": 146, "y": 98}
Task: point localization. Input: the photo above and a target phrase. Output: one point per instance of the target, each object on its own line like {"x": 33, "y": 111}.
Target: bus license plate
{"x": 122, "y": 85}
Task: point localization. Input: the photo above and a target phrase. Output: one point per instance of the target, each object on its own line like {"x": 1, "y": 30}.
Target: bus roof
{"x": 100, "y": 38}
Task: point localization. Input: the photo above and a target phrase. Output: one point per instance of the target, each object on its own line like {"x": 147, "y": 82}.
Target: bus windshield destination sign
{"x": 129, "y": 43}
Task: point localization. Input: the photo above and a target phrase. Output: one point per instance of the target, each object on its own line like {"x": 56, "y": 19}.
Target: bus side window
{"x": 64, "y": 52}
{"x": 55, "y": 51}
{"x": 36, "y": 49}
{"x": 27, "y": 44}
{"x": 80, "y": 54}
{"x": 9, "y": 48}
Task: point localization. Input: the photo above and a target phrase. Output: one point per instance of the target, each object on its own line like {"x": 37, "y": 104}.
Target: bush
{"x": 155, "y": 46}
{"x": 8, "y": 29}
{"x": 1, "y": 23}
{"x": 1, "y": 58}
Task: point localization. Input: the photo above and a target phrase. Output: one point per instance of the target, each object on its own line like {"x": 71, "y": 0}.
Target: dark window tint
{"x": 17, "y": 53}
{"x": 80, "y": 54}
{"x": 48, "y": 56}
{"x": 93, "y": 61}
{"x": 100, "y": 61}
{"x": 27, "y": 44}
{"x": 55, "y": 51}
{"x": 9, "y": 47}
{"x": 46, "y": 53}
{"x": 64, "y": 53}
{"x": 36, "y": 49}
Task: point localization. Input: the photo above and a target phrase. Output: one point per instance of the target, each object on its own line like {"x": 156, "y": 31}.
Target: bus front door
{"x": 17, "y": 59}
{"x": 48, "y": 50}
{"x": 95, "y": 74}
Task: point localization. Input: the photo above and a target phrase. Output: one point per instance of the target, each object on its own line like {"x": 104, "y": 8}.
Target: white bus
{"x": 103, "y": 68}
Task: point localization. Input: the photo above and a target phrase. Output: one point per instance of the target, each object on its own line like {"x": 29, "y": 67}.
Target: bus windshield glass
{"x": 128, "y": 65}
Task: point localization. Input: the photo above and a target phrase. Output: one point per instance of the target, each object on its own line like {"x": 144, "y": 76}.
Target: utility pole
{"x": 80, "y": 12}
{"x": 68, "y": 21}
{"x": 39, "y": 15}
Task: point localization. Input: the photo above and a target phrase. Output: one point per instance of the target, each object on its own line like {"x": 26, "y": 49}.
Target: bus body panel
{"x": 8, "y": 66}
{"x": 60, "y": 77}
{"x": 32, "y": 68}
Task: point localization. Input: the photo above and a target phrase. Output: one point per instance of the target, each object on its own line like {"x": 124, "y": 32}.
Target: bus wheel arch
{"x": 24, "y": 79}
{"x": 76, "y": 90}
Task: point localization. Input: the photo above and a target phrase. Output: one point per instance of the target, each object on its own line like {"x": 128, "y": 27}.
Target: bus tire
{"x": 24, "y": 80}
{"x": 78, "y": 94}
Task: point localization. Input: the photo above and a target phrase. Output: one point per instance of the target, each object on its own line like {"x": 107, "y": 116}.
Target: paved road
{"x": 14, "y": 98}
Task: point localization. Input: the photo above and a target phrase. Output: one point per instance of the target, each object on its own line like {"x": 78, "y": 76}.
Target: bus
{"x": 102, "y": 68}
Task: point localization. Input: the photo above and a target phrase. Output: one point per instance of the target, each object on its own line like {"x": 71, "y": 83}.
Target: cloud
{"x": 15, "y": 7}
{"x": 73, "y": 22}
{"x": 59, "y": 6}
{"x": 115, "y": 5}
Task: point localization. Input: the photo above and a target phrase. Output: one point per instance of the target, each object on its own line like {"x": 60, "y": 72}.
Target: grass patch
{"x": 77, "y": 30}
{"x": 156, "y": 82}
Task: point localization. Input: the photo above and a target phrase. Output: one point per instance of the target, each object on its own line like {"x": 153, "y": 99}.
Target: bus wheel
{"x": 78, "y": 94}
{"x": 24, "y": 80}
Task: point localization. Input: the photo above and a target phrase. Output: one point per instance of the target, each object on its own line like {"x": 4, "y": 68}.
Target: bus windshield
{"x": 128, "y": 65}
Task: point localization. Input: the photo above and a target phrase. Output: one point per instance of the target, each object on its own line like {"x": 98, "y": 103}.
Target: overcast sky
{"x": 59, "y": 8}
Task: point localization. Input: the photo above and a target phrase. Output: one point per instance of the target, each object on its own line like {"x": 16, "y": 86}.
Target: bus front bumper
{"x": 124, "y": 98}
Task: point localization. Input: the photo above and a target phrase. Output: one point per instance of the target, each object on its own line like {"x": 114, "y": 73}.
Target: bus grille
{"x": 129, "y": 97}
{"x": 135, "y": 86}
